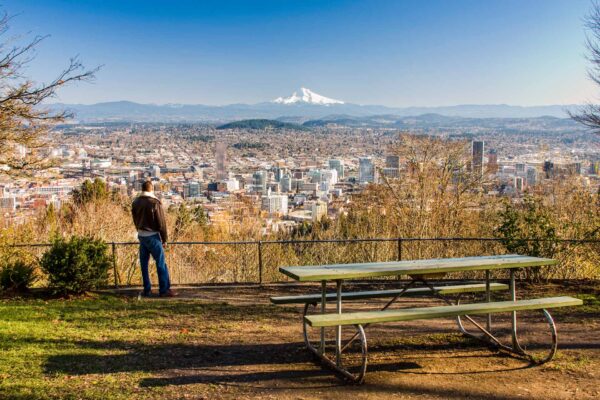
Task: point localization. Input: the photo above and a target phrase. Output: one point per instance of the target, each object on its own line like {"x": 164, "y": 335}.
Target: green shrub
{"x": 77, "y": 265}
{"x": 529, "y": 229}
{"x": 17, "y": 276}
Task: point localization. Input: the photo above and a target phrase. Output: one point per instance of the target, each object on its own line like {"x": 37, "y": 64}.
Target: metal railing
{"x": 196, "y": 262}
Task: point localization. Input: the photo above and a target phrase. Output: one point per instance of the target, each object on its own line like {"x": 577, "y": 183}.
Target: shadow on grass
{"x": 148, "y": 358}
{"x": 134, "y": 357}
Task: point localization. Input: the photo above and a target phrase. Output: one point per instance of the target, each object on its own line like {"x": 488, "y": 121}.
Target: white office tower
{"x": 132, "y": 176}
{"x": 531, "y": 176}
{"x": 275, "y": 203}
{"x": 329, "y": 176}
{"x": 519, "y": 185}
{"x": 20, "y": 151}
{"x": 232, "y": 184}
{"x": 366, "y": 170}
{"x": 338, "y": 166}
{"x": 286, "y": 183}
{"x": 319, "y": 210}
{"x": 155, "y": 171}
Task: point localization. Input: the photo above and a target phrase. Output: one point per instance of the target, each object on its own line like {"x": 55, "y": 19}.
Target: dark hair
{"x": 147, "y": 186}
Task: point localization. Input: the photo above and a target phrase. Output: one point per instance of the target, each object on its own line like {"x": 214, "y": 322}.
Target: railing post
{"x": 114, "y": 261}
{"x": 260, "y": 263}
{"x": 399, "y": 249}
{"x": 399, "y": 254}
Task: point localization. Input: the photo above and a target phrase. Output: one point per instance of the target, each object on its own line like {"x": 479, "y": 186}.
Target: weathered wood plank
{"x": 371, "y": 294}
{"x": 409, "y": 314}
{"x": 412, "y": 267}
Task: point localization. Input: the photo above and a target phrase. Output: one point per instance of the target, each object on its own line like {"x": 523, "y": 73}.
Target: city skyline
{"x": 386, "y": 53}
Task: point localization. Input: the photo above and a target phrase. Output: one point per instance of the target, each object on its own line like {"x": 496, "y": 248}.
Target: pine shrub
{"x": 17, "y": 276}
{"x": 76, "y": 265}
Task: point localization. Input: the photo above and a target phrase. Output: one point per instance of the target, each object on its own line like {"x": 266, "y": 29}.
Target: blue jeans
{"x": 151, "y": 245}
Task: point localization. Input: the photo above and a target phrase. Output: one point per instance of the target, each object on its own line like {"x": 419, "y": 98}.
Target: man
{"x": 149, "y": 220}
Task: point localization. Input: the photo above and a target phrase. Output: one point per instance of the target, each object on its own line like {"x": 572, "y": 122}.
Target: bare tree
{"x": 23, "y": 120}
{"x": 589, "y": 115}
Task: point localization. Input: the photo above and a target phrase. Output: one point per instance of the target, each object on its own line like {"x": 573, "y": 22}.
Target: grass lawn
{"x": 106, "y": 346}
{"x": 111, "y": 347}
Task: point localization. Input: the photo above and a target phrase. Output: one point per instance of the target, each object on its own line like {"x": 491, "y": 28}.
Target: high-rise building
{"x": 519, "y": 184}
{"x": 338, "y": 166}
{"x": 221, "y": 161}
{"x": 366, "y": 170}
{"x": 278, "y": 173}
{"x": 391, "y": 172}
{"x": 478, "y": 148}
{"x": 329, "y": 176}
{"x": 392, "y": 161}
{"x": 286, "y": 183}
{"x": 155, "y": 171}
{"x": 319, "y": 210}
{"x": 232, "y": 184}
{"x": 259, "y": 181}
{"x": 531, "y": 176}
{"x": 314, "y": 175}
{"x": 392, "y": 166}
{"x": 520, "y": 168}
{"x": 191, "y": 189}
{"x": 492, "y": 166}
{"x": 549, "y": 168}
{"x": 275, "y": 204}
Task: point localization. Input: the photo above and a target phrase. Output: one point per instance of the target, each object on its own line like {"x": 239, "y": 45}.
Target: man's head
{"x": 147, "y": 186}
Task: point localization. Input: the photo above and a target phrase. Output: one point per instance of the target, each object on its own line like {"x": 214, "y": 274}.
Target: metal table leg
{"x": 513, "y": 297}
{"x": 323, "y": 306}
{"x": 338, "y": 332}
{"x": 488, "y": 298}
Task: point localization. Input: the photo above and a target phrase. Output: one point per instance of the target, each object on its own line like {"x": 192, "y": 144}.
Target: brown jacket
{"x": 148, "y": 215}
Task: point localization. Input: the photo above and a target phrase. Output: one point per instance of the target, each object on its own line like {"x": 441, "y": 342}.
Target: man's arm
{"x": 134, "y": 213}
{"x": 162, "y": 222}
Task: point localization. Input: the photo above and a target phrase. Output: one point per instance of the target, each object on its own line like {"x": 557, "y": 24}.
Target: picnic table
{"x": 421, "y": 273}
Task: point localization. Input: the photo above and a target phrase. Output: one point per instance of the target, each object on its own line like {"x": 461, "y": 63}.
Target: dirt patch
{"x": 265, "y": 357}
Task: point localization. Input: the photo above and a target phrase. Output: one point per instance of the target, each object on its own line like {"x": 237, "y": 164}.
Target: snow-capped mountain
{"x": 305, "y": 95}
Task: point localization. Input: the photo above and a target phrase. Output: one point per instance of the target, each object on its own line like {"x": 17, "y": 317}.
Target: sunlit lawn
{"x": 105, "y": 346}
{"x": 112, "y": 347}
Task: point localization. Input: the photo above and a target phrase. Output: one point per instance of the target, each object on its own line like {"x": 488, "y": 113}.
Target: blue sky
{"x": 395, "y": 53}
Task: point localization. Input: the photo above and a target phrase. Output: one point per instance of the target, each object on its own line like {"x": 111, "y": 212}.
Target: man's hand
{"x": 165, "y": 245}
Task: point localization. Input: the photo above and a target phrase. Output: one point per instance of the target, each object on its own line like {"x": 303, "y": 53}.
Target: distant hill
{"x": 262, "y": 124}
{"x": 288, "y": 111}
{"x": 437, "y": 121}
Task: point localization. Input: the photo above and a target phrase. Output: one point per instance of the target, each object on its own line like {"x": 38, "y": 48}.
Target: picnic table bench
{"x": 420, "y": 272}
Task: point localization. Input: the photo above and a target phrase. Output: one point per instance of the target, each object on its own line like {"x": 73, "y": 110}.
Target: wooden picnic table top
{"x": 412, "y": 267}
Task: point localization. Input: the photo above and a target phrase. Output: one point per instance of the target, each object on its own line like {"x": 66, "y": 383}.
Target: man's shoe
{"x": 169, "y": 293}
{"x": 143, "y": 294}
